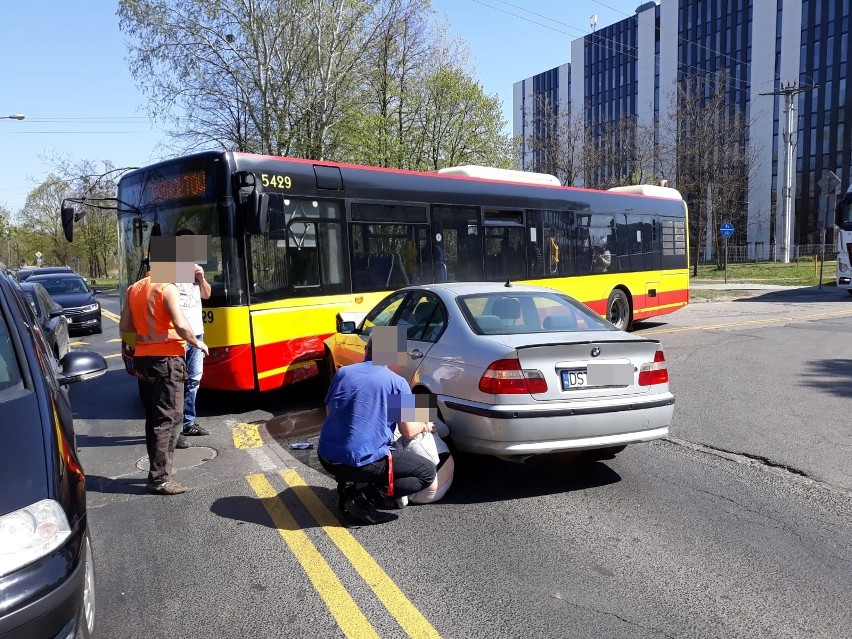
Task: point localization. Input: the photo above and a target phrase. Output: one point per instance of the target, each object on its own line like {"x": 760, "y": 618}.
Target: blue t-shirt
{"x": 357, "y": 431}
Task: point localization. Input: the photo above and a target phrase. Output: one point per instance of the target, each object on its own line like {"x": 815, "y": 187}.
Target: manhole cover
{"x": 185, "y": 458}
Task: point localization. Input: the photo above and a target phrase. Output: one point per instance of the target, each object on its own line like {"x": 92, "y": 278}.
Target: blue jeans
{"x": 194, "y": 370}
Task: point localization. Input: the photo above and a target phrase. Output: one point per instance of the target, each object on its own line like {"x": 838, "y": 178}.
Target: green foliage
{"x": 366, "y": 81}
{"x": 803, "y": 273}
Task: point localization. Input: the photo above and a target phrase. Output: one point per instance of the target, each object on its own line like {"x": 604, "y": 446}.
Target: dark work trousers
{"x": 411, "y": 474}
{"x": 161, "y": 391}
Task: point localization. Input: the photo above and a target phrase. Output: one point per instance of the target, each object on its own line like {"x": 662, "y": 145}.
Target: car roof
{"x": 54, "y": 275}
{"x": 471, "y": 288}
{"x": 48, "y": 269}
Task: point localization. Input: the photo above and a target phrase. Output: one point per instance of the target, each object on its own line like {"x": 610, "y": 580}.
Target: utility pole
{"x": 789, "y": 90}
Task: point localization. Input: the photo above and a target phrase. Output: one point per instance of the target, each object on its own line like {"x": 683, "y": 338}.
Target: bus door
{"x": 505, "y": 245}
{"x": 461, "y": 243}
{"x": 535, "y": 252}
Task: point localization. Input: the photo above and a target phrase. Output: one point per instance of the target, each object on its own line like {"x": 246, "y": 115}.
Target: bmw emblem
{"x": 596, "y": 351}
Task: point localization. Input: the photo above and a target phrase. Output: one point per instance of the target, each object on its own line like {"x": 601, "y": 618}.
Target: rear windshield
{"x": 519, "y": 313}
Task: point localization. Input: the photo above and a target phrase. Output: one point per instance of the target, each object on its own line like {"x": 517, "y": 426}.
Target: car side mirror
{"x": 347, "y": 328}
{"x": 56, "y": 310}
{"x": 78, "y": 366}
{"x": 96, "y": 291}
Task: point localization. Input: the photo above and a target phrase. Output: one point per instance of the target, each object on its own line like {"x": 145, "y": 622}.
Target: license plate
{"x": 70, "y": 320}
{"x": 574, "y": 379}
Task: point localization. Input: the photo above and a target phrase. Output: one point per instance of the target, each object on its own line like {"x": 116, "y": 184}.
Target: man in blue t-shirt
{"x": 355, "y": 441}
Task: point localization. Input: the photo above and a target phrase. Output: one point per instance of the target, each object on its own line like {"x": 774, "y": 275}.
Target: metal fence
{"x": 759, "y": 253}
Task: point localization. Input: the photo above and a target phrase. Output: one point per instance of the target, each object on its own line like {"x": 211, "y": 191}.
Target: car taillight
{"x": 506, "y": 377}
{"x": 656, "y": 373}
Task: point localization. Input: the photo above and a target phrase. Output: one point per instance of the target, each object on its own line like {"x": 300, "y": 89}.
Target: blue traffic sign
{"x": 727, "y": 229}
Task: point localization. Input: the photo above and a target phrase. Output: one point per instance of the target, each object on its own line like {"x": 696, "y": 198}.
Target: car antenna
{"x": 508, "y": 284}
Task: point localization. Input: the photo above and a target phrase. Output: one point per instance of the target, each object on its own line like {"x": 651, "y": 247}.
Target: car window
{"x": 383, "y": 314}
{"x": 10, "y": 370}
{"x": 423, "y": 318}
{"x": 62, "y": 285}
{"x": 44, "y": 300}
{"x": 32, "y": 299}
{"x": 521, "y": 313}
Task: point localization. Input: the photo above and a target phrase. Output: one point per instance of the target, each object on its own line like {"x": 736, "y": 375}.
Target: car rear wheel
{"x": 618, "y": 309}
{"x": 86, "y": 627}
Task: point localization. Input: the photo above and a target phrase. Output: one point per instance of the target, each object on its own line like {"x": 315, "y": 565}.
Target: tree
{"x": 556, "y": 145}
{"x": 713, "y": 160}
{"x": 40, "y": 223}
{"x": 351, "y": 80}
{"x": 264, "y": 76}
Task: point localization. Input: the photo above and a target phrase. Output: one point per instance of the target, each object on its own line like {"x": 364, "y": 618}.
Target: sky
{"x": 64, "y": 67}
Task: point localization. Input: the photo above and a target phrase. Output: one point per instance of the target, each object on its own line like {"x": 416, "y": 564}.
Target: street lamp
{"x": 14, "y": 116}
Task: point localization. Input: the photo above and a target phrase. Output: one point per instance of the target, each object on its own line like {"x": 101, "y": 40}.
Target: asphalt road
{"x": 737, "y": 527}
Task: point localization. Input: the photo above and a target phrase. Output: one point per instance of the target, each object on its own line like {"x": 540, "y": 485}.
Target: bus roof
{"x": 649, "y": 189}
{"x": 501, "y": 175}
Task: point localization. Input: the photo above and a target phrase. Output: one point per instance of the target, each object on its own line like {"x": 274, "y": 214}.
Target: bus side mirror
{"x": 68, "y": 222}
{"x": 256, "y": 213}
{"x": 253, "y": 205}
{"x": 138, "y": 229}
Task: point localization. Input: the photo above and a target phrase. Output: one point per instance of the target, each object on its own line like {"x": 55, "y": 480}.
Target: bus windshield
{"x": 180, "y": 199}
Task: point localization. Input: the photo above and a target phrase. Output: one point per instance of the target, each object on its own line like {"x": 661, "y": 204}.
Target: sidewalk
{"x": 714, "y": 285}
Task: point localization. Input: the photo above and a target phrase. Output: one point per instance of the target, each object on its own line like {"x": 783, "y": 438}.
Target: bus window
{"x": 302, "y": 254}
{"x": 384, "y": 256}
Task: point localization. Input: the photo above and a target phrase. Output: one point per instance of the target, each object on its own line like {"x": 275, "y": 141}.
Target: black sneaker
{"x": 358, "y": 510}
{"x": 182, "y": 442}
{"x": 377, "y": 497}
{"x": 170, "y": 487}
{"x": 194, "y": 429}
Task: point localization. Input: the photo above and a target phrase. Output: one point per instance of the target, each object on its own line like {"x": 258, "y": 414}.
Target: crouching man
{"x": 355, "y": 441}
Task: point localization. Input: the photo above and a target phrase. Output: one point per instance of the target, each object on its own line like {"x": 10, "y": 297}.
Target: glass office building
{"x": 761, "y": 49}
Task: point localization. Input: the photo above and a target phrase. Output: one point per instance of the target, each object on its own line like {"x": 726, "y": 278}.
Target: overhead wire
{"x": 616, "y": 46}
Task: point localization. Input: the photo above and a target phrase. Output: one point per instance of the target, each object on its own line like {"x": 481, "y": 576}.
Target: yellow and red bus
{"x": 294, "y": 242}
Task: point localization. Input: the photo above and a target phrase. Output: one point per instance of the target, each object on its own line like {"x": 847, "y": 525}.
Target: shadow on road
{"x": 480, "y": 479}
{"x": 253, "y": 510}
{"x": 827, "y": 294}
{"x": 90, "y": 441}
{"x": 122, "y": 485}
{"x": 110, "y": 396}
{"x": 832, "y": 376}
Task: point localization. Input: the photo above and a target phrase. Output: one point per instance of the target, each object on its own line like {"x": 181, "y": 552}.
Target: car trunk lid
{"x": 589, "y": 369}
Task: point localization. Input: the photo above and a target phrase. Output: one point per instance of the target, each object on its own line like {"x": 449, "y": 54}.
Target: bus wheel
{"x": 618, "y": 309}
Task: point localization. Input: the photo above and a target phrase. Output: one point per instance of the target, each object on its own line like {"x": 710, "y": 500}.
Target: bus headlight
{"x": 31, "y": 533}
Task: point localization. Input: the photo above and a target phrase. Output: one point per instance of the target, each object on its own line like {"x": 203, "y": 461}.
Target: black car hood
{"x": 73, "y": 300}
{"x": 23, "y": 463}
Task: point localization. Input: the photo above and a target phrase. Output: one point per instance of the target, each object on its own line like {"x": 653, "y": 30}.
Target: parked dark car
{"x": 50, "y": 317}
{"x": 26, "y": 272}
{"x": 47, "y": 577}
{"x": 71, "y": 291}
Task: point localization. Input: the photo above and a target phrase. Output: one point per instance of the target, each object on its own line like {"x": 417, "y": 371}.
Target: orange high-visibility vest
{"x": 155, "y": 333}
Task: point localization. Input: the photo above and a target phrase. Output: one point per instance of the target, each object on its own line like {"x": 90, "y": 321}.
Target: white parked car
{"x": 520, "y": 370}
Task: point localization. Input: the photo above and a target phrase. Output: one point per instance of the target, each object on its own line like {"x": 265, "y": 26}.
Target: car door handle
{"x": 415, "y": 354}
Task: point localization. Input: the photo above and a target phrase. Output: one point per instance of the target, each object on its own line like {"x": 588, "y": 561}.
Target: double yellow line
{"x": 340, "y": 603}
